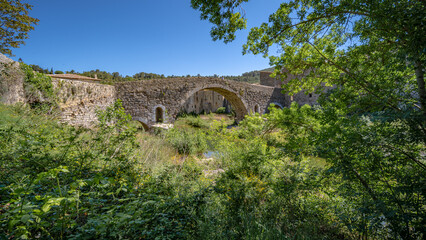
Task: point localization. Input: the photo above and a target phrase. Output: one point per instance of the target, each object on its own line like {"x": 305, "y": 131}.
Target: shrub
{"x": 221, "y": 110}
{"x": 187, "y": 142}
{"x": 195, "y": 122}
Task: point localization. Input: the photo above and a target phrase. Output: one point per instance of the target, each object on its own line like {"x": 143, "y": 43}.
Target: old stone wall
{"x": 79, "y": 100}
{"x": 11, "y": 81}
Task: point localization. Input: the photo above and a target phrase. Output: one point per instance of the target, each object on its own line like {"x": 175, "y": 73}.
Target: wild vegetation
{"x": 352, "y": 167}
{"x": 113, "y": 182}
{"x": 371, "y": 127}
{"x": 263, "y": 182}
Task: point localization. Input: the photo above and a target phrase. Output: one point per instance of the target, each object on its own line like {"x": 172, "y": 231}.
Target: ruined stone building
{"x": 301, "y": 97}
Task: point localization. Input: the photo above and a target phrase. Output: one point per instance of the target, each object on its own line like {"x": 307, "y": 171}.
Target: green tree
{"x": 317, "y": 34}
{"x": 14, "y": 24}
{"x": 371, "y": 127}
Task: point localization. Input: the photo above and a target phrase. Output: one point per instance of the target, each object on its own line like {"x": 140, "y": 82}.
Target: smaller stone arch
{"x": 159, "y": 115}
{"x": 143, "y": 122}
{"x": 277, "y": 105}
{"x": 145, "y": 126}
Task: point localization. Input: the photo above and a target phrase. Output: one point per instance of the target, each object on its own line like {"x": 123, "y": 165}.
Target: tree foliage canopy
{"x": 335, "y": 37}
{"x": 15, "y": 23}
{"x": 371, "y": 127}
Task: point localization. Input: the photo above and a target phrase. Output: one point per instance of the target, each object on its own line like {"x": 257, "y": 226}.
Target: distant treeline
{"x": 250, "y": 77}
{"x": 109, "y": 78}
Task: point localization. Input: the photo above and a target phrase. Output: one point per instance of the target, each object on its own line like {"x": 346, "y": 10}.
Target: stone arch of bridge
{"x": 238, "y": 103}
{"x": 143, "y": 122}
{"x": 277, "y": 105}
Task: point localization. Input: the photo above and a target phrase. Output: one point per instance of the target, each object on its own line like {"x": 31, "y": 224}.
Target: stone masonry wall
{"x": 79, "y": 100}
{"x": 144, "y": 100}
{"x": 301, "y": 97}
{"x": 11, "y": 81}
{"x": 266, "y": 80}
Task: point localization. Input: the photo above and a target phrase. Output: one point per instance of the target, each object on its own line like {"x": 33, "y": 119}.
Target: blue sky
{"x": 131, "y": 36}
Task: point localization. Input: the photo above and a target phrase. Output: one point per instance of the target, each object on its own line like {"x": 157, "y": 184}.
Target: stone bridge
{"x": 147, "y": 101}
{"x": 160, "y": 100}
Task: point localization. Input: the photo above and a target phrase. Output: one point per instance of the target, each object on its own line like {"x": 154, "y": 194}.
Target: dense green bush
{"x": 195, "y": 121}
{"x": 221, "y": 110}
{"x": 375, "y": 156}
{"x": 63, "y": 182}
{"x": 187, "y": 142}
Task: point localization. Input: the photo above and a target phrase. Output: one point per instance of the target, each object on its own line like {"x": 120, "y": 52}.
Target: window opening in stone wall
{"x": 256, "y": 109}
{"x": 159, "y": 115}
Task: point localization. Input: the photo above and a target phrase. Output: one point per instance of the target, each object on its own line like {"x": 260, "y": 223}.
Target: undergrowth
{"x": 63, "y": 182}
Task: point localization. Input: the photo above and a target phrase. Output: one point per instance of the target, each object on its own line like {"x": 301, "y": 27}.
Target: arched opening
{"x": 141, "y": 123}
{"x": 256, "y": 108}
{"x": 142, "y": 126}
{"x": 145, "y": 126}
{"x": 274, "y": 105}
{"x": 210, "y": 99}
{"x": 159, "y": 115}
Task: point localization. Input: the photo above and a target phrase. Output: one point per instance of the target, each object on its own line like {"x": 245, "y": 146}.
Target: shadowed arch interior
{"x": 277, "y": 105}
{"x": 145, "y": 126}
{"x": 238, "y": 105}
{"x": 257, "y": 108}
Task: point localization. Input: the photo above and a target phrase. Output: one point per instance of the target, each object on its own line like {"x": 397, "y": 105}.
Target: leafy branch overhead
{"x": 15, "y": 23}
{"x": 370, "y": 125}
{"x": 346, "y": 42}
{"x": 223, "y": 15}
